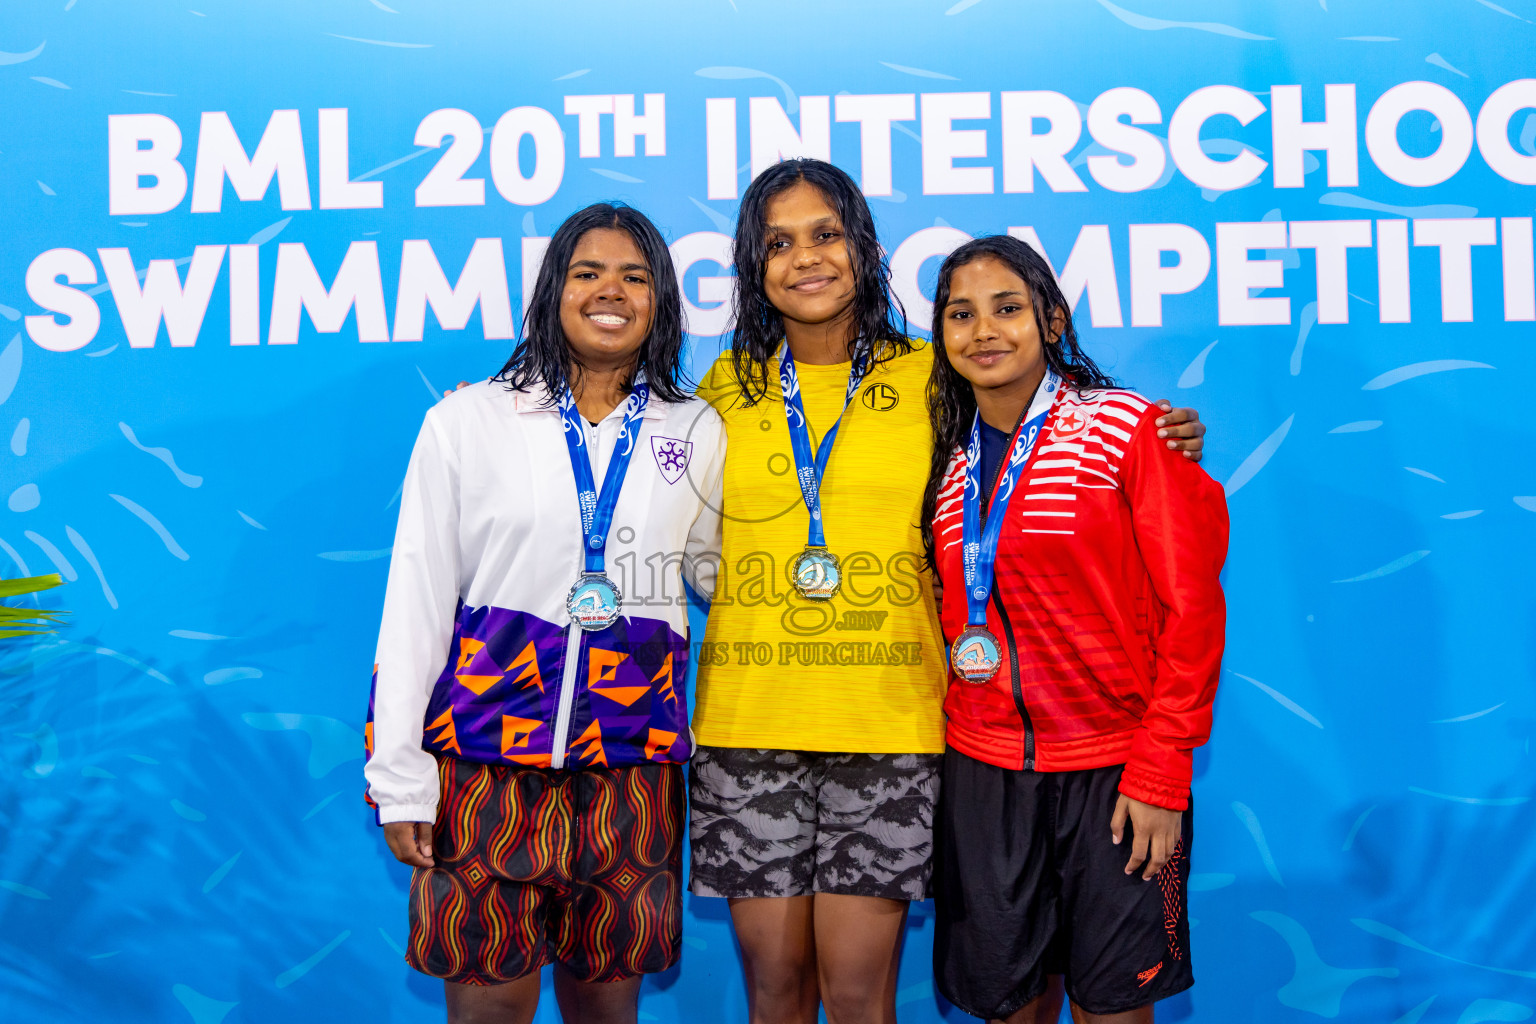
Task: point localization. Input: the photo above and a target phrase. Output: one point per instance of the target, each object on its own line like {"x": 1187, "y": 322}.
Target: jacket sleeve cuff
{"x": 408, "y": 812}
{"x": 1140, "y": 783}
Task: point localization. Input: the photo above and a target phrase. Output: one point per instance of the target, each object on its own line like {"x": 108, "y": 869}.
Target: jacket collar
{"x": 536, "y": 399}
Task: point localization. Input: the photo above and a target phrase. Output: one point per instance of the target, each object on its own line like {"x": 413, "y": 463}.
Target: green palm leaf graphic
{"x": 28, "y": 621}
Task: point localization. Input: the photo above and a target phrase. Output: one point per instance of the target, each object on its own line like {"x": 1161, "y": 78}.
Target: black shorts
{"x": 583, "y": 868}
{"x": 1028, "y": 883}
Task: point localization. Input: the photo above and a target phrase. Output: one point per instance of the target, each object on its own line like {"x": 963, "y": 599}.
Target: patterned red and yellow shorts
{"x": 583, "y": 868}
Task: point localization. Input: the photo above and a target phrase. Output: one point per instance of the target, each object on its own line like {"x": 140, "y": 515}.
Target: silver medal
{"x": 594, "y": 601}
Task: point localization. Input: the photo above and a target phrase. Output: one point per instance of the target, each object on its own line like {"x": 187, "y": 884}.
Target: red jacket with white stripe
{"x": 1107, "y": 603}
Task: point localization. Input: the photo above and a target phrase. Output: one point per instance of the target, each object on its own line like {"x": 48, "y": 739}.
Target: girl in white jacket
{"x": 529, "y": 722}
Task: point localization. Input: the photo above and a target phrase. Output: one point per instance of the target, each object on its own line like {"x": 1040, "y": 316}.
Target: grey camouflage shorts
{"x": 793, "y": 822}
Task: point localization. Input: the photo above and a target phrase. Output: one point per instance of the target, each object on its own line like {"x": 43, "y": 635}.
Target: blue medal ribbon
{"x": 810, "y": 470}
{"x": 597, "y": 508}
{"x": 979, "y": 544}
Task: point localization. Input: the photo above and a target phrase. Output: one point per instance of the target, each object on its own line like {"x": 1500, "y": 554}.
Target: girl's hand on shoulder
{"x": 410, "y": 842}
{"x": 464, "y": 384}
{"x": 1182, "y": 430}
{"x": 1155, "y": 833}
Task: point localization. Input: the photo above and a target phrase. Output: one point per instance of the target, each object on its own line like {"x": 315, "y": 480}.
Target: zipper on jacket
{"x": 1018, "y": 686}
{"x": 562, "y": 730}
{"x": 997, "y": 602}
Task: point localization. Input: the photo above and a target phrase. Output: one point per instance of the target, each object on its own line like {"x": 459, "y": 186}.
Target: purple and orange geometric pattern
{"x": 496, "y": 698}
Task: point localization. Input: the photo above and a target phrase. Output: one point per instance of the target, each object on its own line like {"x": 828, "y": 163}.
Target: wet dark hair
{"x": 542, "y": 354}
{"x": 879, "y": 322}
{"x": 951, "y": 402}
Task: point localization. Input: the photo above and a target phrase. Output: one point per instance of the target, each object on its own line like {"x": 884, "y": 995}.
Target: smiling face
{"x": 990, "y": 333}
{"x": 605, "y": 302}
{"x": 808, "y": 274}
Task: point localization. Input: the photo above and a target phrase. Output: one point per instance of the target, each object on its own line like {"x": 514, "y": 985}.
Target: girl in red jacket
{"x": 1083, "y": 608}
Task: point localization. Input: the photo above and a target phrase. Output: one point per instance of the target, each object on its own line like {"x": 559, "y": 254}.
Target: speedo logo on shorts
{"x": 1147, "y": 975}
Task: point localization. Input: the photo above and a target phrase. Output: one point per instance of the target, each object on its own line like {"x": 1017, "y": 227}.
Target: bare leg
{"x": 1044, "y": 1008}
{"x": 778, "y": 953}
{"x": 512, "y": 1003}
{"x": 858, "y": 945}
{"x": 1140, "y": 1015}
{"x": 596, "y": 1002}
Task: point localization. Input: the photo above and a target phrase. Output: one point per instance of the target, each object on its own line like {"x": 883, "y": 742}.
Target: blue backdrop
{"x": 181, "y": 820}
